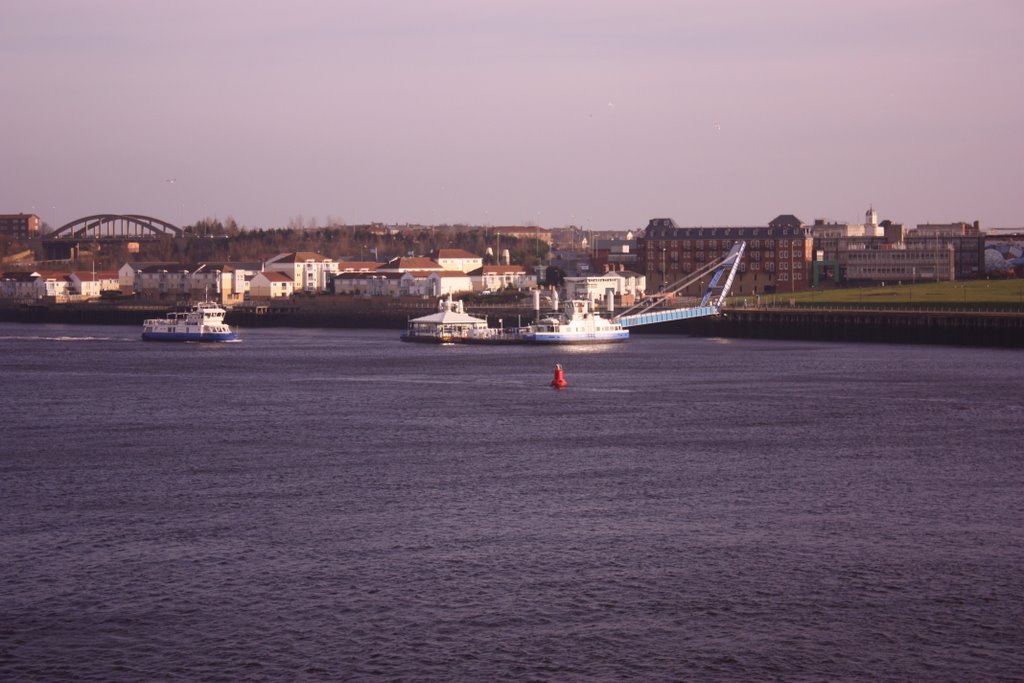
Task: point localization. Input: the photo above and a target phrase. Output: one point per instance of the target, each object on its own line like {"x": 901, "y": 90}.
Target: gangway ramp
{"x": 656, "y": 309}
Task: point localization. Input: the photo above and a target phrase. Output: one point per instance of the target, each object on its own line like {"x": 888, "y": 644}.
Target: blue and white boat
{"x": 203, "y": 322}
{"x": 578, "y": 323}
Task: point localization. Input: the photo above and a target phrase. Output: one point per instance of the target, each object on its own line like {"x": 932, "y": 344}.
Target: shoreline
{"x": 957, "y": 328}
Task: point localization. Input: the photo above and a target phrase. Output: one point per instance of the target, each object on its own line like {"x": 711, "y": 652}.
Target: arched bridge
{"x": 113, "y": 226}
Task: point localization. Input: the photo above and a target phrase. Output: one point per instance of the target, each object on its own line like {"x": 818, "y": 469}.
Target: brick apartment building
{"x": 19, "y": 225}
{"x": 778, "y": 257}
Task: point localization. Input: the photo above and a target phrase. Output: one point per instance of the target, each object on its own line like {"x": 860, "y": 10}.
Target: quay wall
{"x": 969, "y": 328}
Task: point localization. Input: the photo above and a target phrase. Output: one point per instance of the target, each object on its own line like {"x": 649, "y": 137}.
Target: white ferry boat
{"x": 203, "y": 322}
{"x": 579, "y": 323}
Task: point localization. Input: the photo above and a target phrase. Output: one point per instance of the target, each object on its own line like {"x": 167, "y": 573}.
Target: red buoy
{"x": 559, "y": 381}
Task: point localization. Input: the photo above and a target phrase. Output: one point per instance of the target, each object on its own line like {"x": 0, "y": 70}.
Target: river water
{"x": 336, "y": 505}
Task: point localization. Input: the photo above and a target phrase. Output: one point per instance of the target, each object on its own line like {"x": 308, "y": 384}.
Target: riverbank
{"x": 953, "y": 327}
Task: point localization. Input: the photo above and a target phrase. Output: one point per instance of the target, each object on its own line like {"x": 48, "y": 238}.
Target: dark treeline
{"x": 215, "y": 241}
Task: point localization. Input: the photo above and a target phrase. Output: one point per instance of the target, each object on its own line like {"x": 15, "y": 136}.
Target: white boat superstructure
{"x": 578, "y": 323}
{"x": 203, "y": 322}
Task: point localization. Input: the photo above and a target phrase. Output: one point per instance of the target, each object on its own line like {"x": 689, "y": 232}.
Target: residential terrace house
{"x": 310, "y": 272}
{"x": 271, "y": 284}
{"x": 91, "y": 285}
{"x": 458, "y": 259}
{"x": 494, "y": 278}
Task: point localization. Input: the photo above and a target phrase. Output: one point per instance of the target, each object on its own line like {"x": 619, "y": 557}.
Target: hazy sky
{"x": 589, "y": 112}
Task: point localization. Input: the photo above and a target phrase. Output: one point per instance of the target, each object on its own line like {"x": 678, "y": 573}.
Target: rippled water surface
{"x": 336, "y": 505}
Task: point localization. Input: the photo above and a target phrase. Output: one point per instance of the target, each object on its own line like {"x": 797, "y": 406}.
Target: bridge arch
{"x": 115, "y": 225}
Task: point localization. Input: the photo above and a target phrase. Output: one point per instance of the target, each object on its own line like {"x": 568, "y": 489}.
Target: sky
{"x": 596, "y": 113}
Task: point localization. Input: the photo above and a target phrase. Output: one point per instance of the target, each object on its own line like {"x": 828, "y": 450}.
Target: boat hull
{"x": 513, "y": 336}
{"x": 575, "y": 338}
{"x": 190, "y": 336}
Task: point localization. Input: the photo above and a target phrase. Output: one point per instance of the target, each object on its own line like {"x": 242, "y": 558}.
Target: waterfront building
{"x": 494, "y": 278}
{"x": 310, "y": 272}
{"x": 355, "y": 282}
{"x": 850, "y": 255}
{"x": 91, "y": 285}
{"x": 34, "y": 285}
{"x": 129, "y": 275}
{"x": 778, "y": 257}
{"x": 225, "y": 283}
{"x": 433, "y": 283}
{"x": 352, "y": 277}
{"x": 964, "y": 242}
{"x": 19, "y": 225}
{"x": 448, "y": 282}
{"x": 271, "y": 284}
{"x": 375, "y": 283}
{"x": 458, "y": 259}
{"x": 18, "y": 284}
{"x": 161, "y": 281}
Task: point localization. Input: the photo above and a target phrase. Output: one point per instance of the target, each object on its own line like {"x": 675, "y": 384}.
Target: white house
{"x": 309, "y": 272}
{"x": 448, "y": 282}
{"x": 493, "y": 278}
{"x": 91, "y": 285}
{"x": 21, "y": 285}
{"x": 458, "y": 259}
{"x": 271, "y": 284}
{"x": 416, "y": 283}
